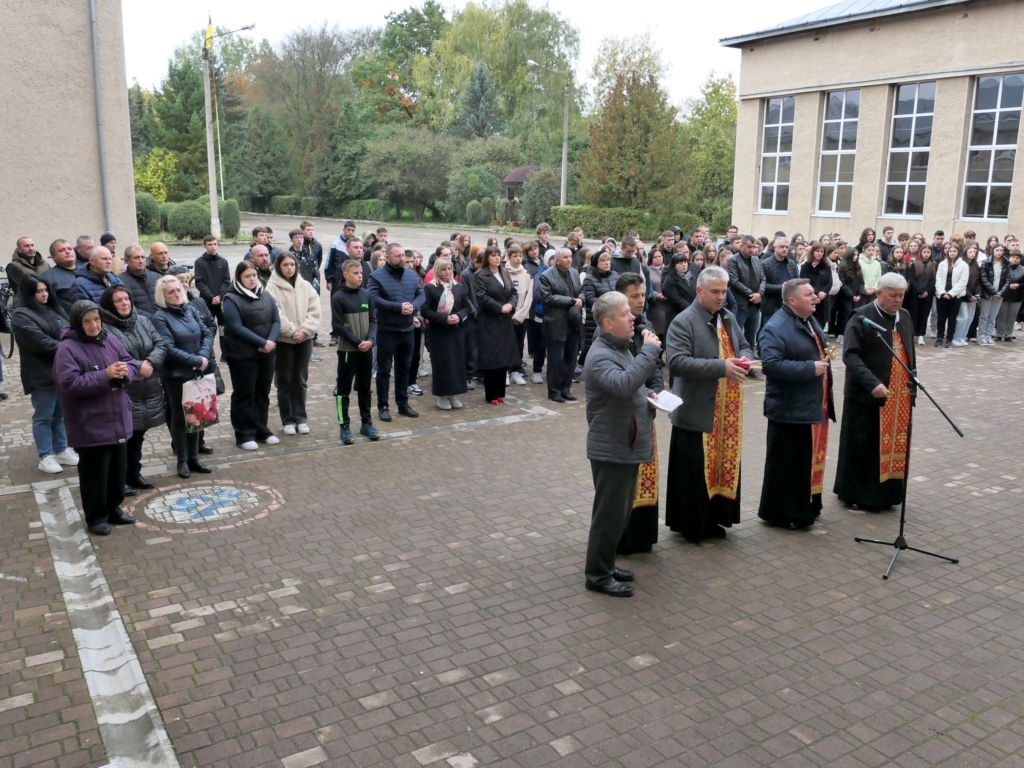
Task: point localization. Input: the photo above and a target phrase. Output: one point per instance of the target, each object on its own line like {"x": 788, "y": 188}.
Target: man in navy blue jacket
{"x": 397, "y": 294}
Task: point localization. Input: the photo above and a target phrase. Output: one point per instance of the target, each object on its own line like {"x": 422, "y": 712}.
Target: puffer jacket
{"x": 298, "y": 307}
{"x": 141, "y": 341}
{"x": 90, "y": 287}
{"x": 619, "y": 418}
{"x": 593, "y": 286}
{"x": 391, "y": 287}
{"x": 187, "y": 338}
{"x": 21, "y": 266}
{"x": 37, "y": 332}
{"x": 142, "y": 289}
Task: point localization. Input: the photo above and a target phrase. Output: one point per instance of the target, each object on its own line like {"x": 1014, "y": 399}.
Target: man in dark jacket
{"x": 159, "y": 259}
{"x": 625, "y": 260}
{"x": 778, "y": 269}
{"x": 140, "y": 282}
{"x": 213, "y": 278}
{"x": 338, "y": 254}
{"x": 559, "y": 289}
{"x": 25, "y": 259}
{"x": 798, "y": 404}
{"x": 95, "y": 278}
{"x": 398, "y": 295}
{"x": 354, "y": 322}
{"x": 83, "y": 246}
{"x": 746, "y": 279}
{"x": 62, "y": 277}
{"x": 619, "y": 434}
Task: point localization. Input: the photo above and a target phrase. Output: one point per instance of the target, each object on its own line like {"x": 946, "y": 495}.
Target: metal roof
{"x": 845, "y": 12}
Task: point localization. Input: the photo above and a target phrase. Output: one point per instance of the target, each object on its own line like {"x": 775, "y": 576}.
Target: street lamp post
{"x": 211, "y": 163}
{"x": 565, "y": 128}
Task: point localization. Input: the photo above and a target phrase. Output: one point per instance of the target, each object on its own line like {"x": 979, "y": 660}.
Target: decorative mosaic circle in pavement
{"x": 181, "y": 508}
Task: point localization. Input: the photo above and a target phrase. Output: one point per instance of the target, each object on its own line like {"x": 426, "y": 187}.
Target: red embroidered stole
{"x": 646, "y": 494}
{"x": 724, "y": 443}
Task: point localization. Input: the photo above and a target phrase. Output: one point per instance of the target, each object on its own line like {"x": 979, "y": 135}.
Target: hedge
{"x": 371, "y": 210}
{"x": 474, "y": 213}
{"x": 488, "y": 209}
{"x": 285, "y": 204}
{"x": 502, "y": 211}
{"x": 147, "y": 213}
{"x": 230, "y": 218}
{"x": 599, "y": 222}
{"x": 165, "y": 212}
{"x": 203, "y": 199}
{"x": 309, "y": 206}
{"x": 189, "y": 221}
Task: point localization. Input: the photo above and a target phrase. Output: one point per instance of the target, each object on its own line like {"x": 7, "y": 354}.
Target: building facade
{"x": 49, "y": 124}
{"x": 871, "y": 113}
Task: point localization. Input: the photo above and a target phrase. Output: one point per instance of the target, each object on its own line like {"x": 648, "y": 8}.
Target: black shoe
{"x": 370, "y": 431}
{"x": 569, "y": 398}
{"x": 613, "y": 588}
{"x": 129, "y": 491}
{"x": 791, "y": 526}
{"x": 334, "y": 341}
{"x": 405, "y": 410}
{"x": 948, "y": 344}
{"x": 3, "y": 396}
{"x": 317, "y": 343}
{"x": 118, "y": 517}
{"x": 621, "y": 574}
{"x": 384, "y": 414}
{"x": 938, "y": 342}
{"x": 756, "y": 375}
{"x": 556, "y": 398}
{"x": 100, "y": 529}
{"x": 347, "y": 438}
{"x": 141, "y": 483}
{"x": 183, "y": 472}
{"x": 197, "y": 466}
{"x": 205, "y": 449}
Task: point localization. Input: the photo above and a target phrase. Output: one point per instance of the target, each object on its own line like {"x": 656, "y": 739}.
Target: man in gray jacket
{"x": 619, "y": 440}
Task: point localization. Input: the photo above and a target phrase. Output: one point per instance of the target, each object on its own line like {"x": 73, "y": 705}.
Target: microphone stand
{"x": 900, "y": 543}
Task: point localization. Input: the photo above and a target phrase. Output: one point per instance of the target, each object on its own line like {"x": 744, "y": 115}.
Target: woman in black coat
{"x": 37, "y": 319}
{"x": 851, "y": 293}
{"x": 817, "y": 269}
{"x": 189, "y": 349}
{"x": 446, "y": 308}
{"x": 598, "y": 281}
{"x": 677, "y": 286}
{"x": 496, "y": 302}
{"x": 920, "y": 276}
{"x": 148, "y": 349}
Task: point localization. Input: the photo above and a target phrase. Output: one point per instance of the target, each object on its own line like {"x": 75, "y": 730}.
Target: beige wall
{"x": 806, "y": 66}
{"x": 49, "y": 153}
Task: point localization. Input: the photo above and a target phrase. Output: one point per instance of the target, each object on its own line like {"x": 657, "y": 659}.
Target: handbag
{"x": 199, "y": 401}
{"x": 836, "y": 283}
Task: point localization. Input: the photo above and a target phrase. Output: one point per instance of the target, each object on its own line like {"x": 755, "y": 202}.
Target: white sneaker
{"x": 537, "y": 378}
{"x": 839, "y": 339}
{"x": 250, "y": 445}
{"x": 959, "y": 343}
{"x": 444, "y": 403}
{"x": 506, "y": 380}
{"x": 456, "y": 403}
{"x": 423, "y": 372}
{"x": 517, "y": 378}
{"x": 920, "y": 341}
{"x": 50, "y": 465}
{"x": 289, "y": 429}
{"x": 67, "y": 458}
{"x": 272, "y": 440}
{"x": 303, "y": 429}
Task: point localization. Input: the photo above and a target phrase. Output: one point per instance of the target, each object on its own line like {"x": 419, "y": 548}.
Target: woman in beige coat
{"x": 299, "y": 308}
{"x": 523, "y": 283}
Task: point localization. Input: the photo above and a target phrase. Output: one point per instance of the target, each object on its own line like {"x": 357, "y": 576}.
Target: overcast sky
{"x": 687, "y": 32}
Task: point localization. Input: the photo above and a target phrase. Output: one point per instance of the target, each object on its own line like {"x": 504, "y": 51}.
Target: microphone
{"x": 868, "y": 323}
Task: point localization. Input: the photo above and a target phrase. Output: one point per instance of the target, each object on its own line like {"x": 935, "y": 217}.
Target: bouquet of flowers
{"x": 199, "y": 401}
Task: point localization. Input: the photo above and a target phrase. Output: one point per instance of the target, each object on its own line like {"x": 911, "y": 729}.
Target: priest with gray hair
{"x": 619, "y": 434}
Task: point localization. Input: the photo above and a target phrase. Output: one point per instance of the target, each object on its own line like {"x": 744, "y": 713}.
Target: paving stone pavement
{"x": 419, "y": 601}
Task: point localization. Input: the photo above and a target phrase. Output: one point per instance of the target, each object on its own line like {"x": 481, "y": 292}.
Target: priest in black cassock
{"x": 877, "y": 402}
{"x": 798, "y": 405}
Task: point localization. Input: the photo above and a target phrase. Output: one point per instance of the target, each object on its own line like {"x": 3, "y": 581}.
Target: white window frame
{"x": 909, "y": 151}
{"x": 994, "y": 148}
{"x": 775, "y": 156}
{"x": 828, "y": 156}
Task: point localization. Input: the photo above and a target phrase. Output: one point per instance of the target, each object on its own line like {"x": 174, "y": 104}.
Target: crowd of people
{"x": 488, "y": 314}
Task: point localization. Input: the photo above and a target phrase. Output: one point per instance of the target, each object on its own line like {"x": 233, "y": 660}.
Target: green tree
{"x": 480, "y": 116}
{"x": 155, "y": 173}
{"x": 709, "y": 143}
{"x": 409, "y": 168}
{"x": 466, "y": 184}
{"x": 320, "y": 158}
{"x": 497, "y": 154}
{"x": 540, "y": 195}
{"x": 349, "y": 147}
{"x": 140, "y": 118}
{"x": 264, "y": 169}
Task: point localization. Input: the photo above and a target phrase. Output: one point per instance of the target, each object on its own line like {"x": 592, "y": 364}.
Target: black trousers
{"x": 134, "y": 455}
{"x": 520, "y": 338}
{"x": 393, "y": 347}
{"x": 292, "y": 369}
{"x": 946, "y": 310}
{"x": 538, "y": 344}
{"x": 562, "y": 363}
{"x": 186, "y": 446}
{"x": 494, "y": 383}
{"x": 417, "y": 350}
{"x": 250, "y": 396}
{"x": 920, "y": 309}
{"x": 357, "y": 367}
{"x": 614, "y": 487}
{"x": 101, "y": 476}
{"x": 470, "y": 338}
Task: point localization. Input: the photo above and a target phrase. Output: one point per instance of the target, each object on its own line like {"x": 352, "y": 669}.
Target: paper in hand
{"x": 666, "y": 401}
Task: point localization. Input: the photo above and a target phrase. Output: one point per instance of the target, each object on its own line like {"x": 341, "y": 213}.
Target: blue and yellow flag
{"x": 209, "y": 35}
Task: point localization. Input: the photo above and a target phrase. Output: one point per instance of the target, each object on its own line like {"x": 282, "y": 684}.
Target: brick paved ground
{"x": 419, "y": 601}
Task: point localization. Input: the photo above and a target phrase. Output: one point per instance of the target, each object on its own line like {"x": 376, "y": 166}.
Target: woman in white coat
{"x": 950, "y": 287}
{"x": 299, "y": 307}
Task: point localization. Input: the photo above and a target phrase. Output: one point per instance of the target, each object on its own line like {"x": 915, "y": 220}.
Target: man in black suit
{"x": 559, "y": 289}
{"x": 877, "y": 401}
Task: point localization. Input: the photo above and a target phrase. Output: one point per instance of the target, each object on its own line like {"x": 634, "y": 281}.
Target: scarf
{"x": 447, "y": 300}
{"x": 254, "y": 294}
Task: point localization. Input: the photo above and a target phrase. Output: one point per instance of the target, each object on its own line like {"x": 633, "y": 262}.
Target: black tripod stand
{"x": 901, "y": 543}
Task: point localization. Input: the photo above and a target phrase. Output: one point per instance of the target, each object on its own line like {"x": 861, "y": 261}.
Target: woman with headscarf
{"x": 189, "y": 343}
{"x": 91, "y": 371}
{"x": 595, "y": 284}
{"x": 251, "y": 326}
{"x": 147, "y": 348}
{"x": 298, "y": 306}
{"x": 495, "y": 304}
{"x": 445, "y": 310}
{"x": 38, "y": 318}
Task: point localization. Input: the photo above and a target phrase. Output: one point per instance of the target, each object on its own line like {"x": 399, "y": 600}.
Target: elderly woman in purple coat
{"x": 91, "y": 371}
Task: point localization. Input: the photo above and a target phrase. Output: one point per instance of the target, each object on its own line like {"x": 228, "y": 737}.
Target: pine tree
{"x": 320, "y": 158}
{"x": 480, "y": 115}
{"x": 264, "y": 169}
{"x": 349, "y": 146}
{"x": 140, "y": 117}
